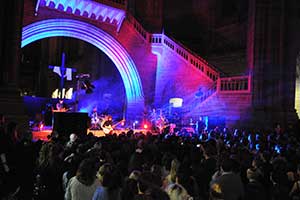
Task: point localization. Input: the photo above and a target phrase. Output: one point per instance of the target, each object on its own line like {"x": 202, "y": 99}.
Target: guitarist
{"x": 107, "y": 124}
{"x": 162, "y": 123}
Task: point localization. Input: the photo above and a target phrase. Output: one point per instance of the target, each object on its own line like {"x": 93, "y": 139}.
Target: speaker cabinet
{"x": 66, "y": 123}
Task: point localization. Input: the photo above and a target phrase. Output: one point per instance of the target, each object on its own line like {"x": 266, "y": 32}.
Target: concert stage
{"x": 45, "y": 132}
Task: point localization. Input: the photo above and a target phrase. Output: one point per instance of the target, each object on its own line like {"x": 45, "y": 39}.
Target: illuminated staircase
{"x": 221, "y": 96}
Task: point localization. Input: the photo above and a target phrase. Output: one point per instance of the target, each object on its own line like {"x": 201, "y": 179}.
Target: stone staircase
{"x": 229, "y": 96}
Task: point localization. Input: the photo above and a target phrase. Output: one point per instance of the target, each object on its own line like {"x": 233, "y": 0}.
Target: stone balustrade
{"x": 114, "y": 3}
{"x": 180, "y": 49}
{"x": 238, "y": 84}
{"x": 111, "y": 14}
{"x": 208, "y": 93}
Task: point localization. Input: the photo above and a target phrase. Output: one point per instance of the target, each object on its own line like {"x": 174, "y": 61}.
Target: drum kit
{"x": 159, "y": 123}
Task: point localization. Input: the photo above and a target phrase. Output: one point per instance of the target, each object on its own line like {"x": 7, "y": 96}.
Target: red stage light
{"x": 41, "y": 126}
{"x": 145, "y": 126}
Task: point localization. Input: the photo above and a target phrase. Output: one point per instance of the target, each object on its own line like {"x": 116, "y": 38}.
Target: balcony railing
{"x": 178, "y": 48}
{"x": 191, "y": 57}
{"x": 208, "y": 93}
{"x": 122, "y": 4}
{"x": 238, "y": 84}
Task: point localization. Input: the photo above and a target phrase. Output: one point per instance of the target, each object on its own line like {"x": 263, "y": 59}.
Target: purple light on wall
{"x": 100, "y": 39}
{"x": 86, "y": 8}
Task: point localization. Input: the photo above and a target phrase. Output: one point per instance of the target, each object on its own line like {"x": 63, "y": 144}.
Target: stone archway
{"x": 103, "y": 41}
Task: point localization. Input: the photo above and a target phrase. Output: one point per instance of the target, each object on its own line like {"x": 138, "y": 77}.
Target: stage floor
{"x": 45, "y": 132}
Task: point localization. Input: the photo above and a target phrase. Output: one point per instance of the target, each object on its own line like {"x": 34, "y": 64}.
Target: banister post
{"x": 218, "y": 84}
{"x": 249, "y": 83}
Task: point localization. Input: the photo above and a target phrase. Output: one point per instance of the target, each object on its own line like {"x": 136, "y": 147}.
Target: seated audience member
{"x": 254, "y": 189}
{"x": 110, "y": 180}
{"x": 135, "y": 174}
{"x": 72, "y": 167}
{"x": 186, "y": 179}
{"x": 230, "y": 183}
{"x": 129, "y": 189}
{"x": 71, "y": 145}
{"x": 147, "y": 183}
{"x": 295, "y": 192}
{"x": 177, "y": 192}
{"x": 264, "y": 163}
{"x": 153, "y": 193}
{"x": 279, "y": 177}
{"x": 215, "y": 192}
{"x": 171, "y": 178}
{"x": 84, "y": 184}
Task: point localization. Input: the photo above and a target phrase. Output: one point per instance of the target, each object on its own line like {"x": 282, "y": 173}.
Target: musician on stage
{"x": 95, "y": 119}
{"x": 61, "y": 106}
{"x": 107, "y": 124}
{"x": 94, "y": 113}
{"x": 162, "y": 123}
{"x": 153, "y": 117}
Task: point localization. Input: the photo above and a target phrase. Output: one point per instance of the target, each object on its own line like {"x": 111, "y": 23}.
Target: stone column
{"x": 272, "y": 82}
{"x": 11, "y": 28}
{"x": 11, "y": 104}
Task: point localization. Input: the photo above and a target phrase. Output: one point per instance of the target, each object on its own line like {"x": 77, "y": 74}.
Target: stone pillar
{"x": 11, "y": 28}
{"x": 272, "y": 83}
{"x": 158, "y": 51}
{"x": 134, "y": 111}
{"x": 11, "y": 104}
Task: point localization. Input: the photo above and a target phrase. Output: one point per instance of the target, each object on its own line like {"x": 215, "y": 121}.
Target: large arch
{"x": 97, "y": 37}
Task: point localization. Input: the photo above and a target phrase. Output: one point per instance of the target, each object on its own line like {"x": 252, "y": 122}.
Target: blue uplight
{"x": 97, "y": 37}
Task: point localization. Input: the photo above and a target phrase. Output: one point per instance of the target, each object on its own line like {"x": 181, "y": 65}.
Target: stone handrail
{"x": 180, "y": 49}
{"x": 191, "y": 57}
{"x": 139, "y": 28}
{"x": 208, "y": 93}
{"x": 122, "y": 4}
{"x": 237, "y": 84}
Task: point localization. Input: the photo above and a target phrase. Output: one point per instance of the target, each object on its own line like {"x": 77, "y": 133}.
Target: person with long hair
{"x": 110, "y": 179}
{"x": 84, "y": 184}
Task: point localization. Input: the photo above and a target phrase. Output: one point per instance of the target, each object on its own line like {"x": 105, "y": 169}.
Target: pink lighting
{"x": 103, "y": 41}
{"x": 41, "y": 126}
{"x": 86, "y": 8}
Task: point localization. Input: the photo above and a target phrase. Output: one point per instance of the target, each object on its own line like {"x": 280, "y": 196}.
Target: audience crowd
{"x": 216, "y": 164}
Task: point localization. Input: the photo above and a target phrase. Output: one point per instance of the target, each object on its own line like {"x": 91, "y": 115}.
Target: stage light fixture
{"x": 88, "y": 91}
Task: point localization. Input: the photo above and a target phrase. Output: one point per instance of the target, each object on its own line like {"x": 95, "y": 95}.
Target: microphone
{"x": 83, "y": 76}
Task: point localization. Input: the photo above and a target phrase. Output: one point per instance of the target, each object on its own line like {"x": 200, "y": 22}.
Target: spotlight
{"x": 89, "y": 84}
{"x": 41, "y": 126}
{"x": 145, "y": 126}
